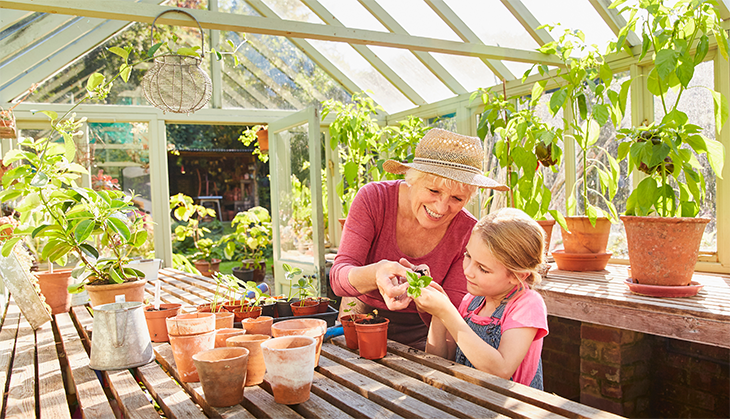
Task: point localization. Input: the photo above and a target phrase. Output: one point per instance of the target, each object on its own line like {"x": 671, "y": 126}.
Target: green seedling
{"x": 416, "y": 282}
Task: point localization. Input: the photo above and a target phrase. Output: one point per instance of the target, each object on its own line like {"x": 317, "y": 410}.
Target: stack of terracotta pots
{"x": 190, "y": 334}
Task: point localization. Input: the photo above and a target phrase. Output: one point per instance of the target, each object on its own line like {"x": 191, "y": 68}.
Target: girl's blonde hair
{"x": 516, "y": 241}
{"x": 412, "y": 176}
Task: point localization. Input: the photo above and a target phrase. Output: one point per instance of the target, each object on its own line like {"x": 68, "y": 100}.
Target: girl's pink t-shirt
{"x": 526, "y": 310}
{"x": 370, "y": 237}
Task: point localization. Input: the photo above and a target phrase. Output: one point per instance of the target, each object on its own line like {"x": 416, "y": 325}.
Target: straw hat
{"x": 450, "y": 155}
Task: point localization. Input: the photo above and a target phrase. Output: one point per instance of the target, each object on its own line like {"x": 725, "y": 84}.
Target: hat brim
{"x": 463, "y": 176}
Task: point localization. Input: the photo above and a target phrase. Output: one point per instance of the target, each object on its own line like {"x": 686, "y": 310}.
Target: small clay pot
{"x": 190, "y": 324}
{"x": 157, "y": 320}
{"x": 222, "y": 374}
{"x": 258, "y": 325}
{"x": 221, "y": 335}
{"x": 54, "y": 286}
{"x": 290, "y": 363}
{"x": 305, "y": 308}
{"x": 256, "y": 366}
{"x": 183, "y": 349}
{"x": 372, "y": 338}
{"x": 348, "y": 328}
{"x": 224, "y": 320}
{"x": 249, "y": 312}
{"x": 314, "y": 328}
{"x": 324, "y": 303}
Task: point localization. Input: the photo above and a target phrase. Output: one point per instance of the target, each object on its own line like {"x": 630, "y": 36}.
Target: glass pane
{"x": 447, "y": 122}
{"x": 471, "y": 72}
{"x": 493, "y": 23}
{"x": 418, "y": 19}
{"x": 698, "y": 105}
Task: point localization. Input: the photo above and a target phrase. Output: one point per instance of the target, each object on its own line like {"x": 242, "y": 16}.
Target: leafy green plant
{"x": 586, "y": 82}
{"x": 259, "y": 295}
{"x": 207, "y": 251}
{"x": 248, "y": 136}
{"x": 416, "y": 282}
{"x": 666, "y": 151}
{"x": 304, "y": 285}
{"x": 525, "y": 142}
{"x": 252, "y": 237}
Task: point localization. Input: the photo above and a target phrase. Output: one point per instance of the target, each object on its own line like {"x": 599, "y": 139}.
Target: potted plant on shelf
{"x": 208, "y": 257}
{"x": 586, "y": 89}
{"x": 662, "y": 228}
{"x": 250, "y": 241}
{"x": 525, "y": 142}
{"x": 185, "y": 210}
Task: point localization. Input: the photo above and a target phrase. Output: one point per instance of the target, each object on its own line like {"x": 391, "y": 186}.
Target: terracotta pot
{"x": 249, "y": 312}
{"x": 191, "y": 324}
{"x": 105, "y": 294}
{"x": 207, "y": 268}
{"x": 258, "y": 325}
{"x": 547, "y": 225}
{"x": 583, "y": 237}
{"x": 7, "y": 125}
{"x": 314, "y": 328}
{"x": 256, "y": 366}
{"x": 233, "y": 306}
{"x": 290, "y": 363}
{"x": 283, "y": 307}
{"x": 203, "y": 308}
{"x": 663, "y": 250}
{"x": 263, "y": 139}
{"x": 183, "y": 349}
{"x": 157, "y": 320}
{"x": 372, "y": 339}
{"x": 305, "y": 308}
{"x": 54, "y": 287}
{"x": 581, "y": 262}
{"x": 324, "y": 304}
{"x": 222, "y": 374}
{"x": 221, "y": 335}
{"x": 224, "y": 320}
{"x": 348, "y": 328}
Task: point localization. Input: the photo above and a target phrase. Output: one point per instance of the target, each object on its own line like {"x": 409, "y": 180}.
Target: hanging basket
{"x": 176, "y": 83}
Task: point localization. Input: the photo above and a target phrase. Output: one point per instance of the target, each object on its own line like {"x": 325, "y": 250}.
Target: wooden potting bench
{"x": 46, "y": 375}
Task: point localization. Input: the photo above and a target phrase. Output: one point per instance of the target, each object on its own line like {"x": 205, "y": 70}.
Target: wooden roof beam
{"x": 614, "y": 20}
{"x": 528, "y": 21}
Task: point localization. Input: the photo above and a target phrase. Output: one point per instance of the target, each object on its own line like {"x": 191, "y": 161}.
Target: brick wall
{"x": 561, "y": 358}
{"x": 635, "y": 374}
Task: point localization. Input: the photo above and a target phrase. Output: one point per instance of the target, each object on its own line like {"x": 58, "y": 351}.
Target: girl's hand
{"x": 421, "y": 269}
{"x": 390, "y": 278}
{"x": 433, "y": 300}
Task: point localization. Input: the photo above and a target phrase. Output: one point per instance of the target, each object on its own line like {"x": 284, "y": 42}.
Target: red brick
{"x": 611, "y": 354}
{"x": 601, "y": 403}
{"x": 639, "y": 352}
{"x": 589, "y": 350}
{"x": 699, "y": 398}
{"x": 600, "y": 371}
{"x": 589, "y": 385}
{"x": 707, "y": 367}
{"x": 611, "y": 390}
{"x": 628, "y": 336}
{"x": 636, "y": 389}
{"x": 599, "y": 333}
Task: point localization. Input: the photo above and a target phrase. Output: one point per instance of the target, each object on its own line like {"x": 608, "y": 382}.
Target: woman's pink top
{"x": 369, "y": 237}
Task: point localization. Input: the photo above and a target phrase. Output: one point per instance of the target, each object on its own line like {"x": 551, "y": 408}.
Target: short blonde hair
{"x": 516, "y": 241}
{"x": 413, "y": 176}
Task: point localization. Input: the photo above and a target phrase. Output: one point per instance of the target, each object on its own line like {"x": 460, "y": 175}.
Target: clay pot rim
{"x": 170, "y": 306}
{"x": 668, "y": 220}
{"x": 249, "y": 338}
{"x": 283, "y": 325}
{"x": 197, "y": 357}
{"x": 280, "y": 340}
{"x": 126, "y": 284}
{"x": 192, "y": 335}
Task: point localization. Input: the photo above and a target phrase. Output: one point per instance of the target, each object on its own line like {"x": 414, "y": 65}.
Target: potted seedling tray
{"x": 330, "y": 316}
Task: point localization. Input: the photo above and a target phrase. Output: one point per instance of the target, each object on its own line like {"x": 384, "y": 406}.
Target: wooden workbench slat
{"x": 130, "y": 397}
{"x": 52, "y": 400}
{"x": 174, "y": 295}
{"x": 7, "y": 342}
{"x": 92, "y": 399}
{"x": 257, "y": 401}
{"x": 409, "y": 385}
{"x": 163, "y": 352}
{"x": 318, "y": 408}
{"x": 172, "y": 399}
{"x": 529, "y": 395}
{"x": 348, "y": 401}
{"x": 21, "y": 394}
{"x": 403, "y": 404}
{"x": 186, "y": 291}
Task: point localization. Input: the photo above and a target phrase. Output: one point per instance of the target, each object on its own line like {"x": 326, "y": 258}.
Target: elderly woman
{"x": 416, "y": 224}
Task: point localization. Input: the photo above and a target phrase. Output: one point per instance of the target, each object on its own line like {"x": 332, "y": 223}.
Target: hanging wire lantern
{"x": 176, "y": 83}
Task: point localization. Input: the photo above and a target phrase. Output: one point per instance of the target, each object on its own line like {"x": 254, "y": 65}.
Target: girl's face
{"x": 435, "y": 206}
{"x": 485, "y": 276}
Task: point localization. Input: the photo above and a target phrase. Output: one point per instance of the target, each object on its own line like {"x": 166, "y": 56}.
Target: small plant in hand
{"x": 416, "y": 282}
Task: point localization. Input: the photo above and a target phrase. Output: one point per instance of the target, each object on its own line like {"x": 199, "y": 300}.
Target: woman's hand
{"x": 390, "y": 278}
{"x": 433, "y": 300}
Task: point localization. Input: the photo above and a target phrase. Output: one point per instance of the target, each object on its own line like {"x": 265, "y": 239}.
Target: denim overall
{"x": 492, "y": 334}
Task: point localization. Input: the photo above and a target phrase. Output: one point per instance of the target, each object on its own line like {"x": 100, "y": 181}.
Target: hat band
{"x": 464, "y": 167}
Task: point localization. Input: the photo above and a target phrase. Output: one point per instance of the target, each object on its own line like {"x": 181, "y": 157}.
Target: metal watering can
{"x": 120, "y": 338}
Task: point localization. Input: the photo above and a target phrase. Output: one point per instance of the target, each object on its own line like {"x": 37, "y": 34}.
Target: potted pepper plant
{"x": 586, "y": 89}
{"x": 661, "y": 212}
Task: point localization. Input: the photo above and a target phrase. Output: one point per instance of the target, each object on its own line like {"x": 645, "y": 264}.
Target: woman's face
{"x": 435, "y": 206}
{"x": 485, "y": 275}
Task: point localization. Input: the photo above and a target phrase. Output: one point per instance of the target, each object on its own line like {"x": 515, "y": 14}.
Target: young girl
{"x": 501, "y": 321}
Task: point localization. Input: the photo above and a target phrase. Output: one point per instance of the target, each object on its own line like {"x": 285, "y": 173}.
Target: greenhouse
{"x": 526, "y": 196}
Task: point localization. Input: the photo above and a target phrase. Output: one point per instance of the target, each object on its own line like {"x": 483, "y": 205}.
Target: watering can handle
{"x": 119, "y": 328}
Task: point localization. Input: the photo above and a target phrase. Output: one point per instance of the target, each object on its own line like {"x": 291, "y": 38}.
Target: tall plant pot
{"x": 259, "y": 270}
{"x": 372, "y": 338}
{"x": 222, "y": 374}
{"x": 208, "y": 268}
{"x": 290, "y": 362}
{"x": 106, "y": 294}
{"x": 663, "y": 250}
{"x": 157, "y": 320}
{"x": 54, "y": 287}
{"x": 191, "y": 323}
{"x": 348, "y": 328}
{"x": 583, "y": 237}
{"x": 222, "y": 335}
{"x": 224, "y": 319}
{"x": 256, "y": 365}
{"x": 314, "y": 328}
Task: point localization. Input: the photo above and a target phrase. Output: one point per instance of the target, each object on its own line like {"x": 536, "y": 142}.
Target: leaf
{"x": 558, "y": 100}
{"x": 69, "y": 146}
{"x": 702, "y": 47}
{"x": 537, "y": 89}
{"x": 120, "y": 52}
{"x": 120, "y": 227}
{"x": 605, "y": 73}
{"x": 124, "y": 72}
{"x": 685, "y": 69}
{"x": 601, "y": 114}
{"x": 582, "y": 107}
{"x": 716, "y": 155}
{"x": 188, "y": 51}
{"x": 721, "y": 109}
{"x": 645, "y": 44}
{"x": 665, "y": 63}
{"x": 153, "y": 49}
{"x": 50, "y": 114}
{"x": 83, "y": 230}
{"x": 89, "y": 250}
{"x": 654, "y": 84}
{"x": 350, "y": 171}
{"x": 94, "y": 81}
{"x": 593, "y": 130}
{"x": 139, "y": 238}
{"x": 9, "y": 245}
